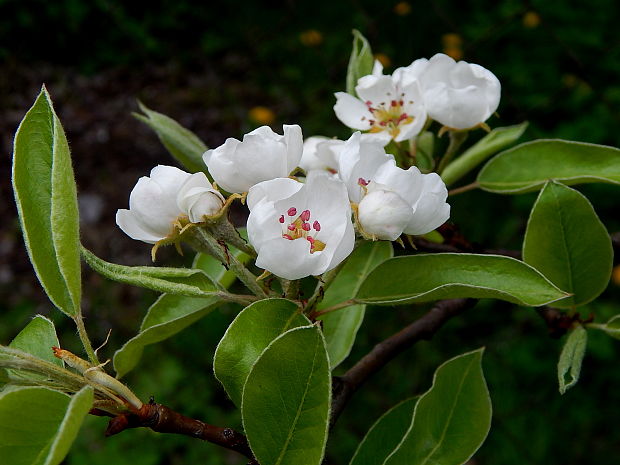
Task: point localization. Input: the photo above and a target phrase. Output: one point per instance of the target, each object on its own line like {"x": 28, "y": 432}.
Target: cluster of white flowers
{"x": 459, "y": 95}
{"x": 302, "y": 227}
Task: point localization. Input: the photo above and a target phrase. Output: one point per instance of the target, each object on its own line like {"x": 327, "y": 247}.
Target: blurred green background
{"x": 222, "y": 68}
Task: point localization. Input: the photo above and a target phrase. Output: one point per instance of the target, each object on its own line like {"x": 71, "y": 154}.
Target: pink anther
{"x": 306, "y": 226}
{"x": 316, "y": 225}
{"x": 305, "y": 215}
{"x": 291, "y": 211}
{"x": 281, "y": 219}
{"x": 363, "y": 182}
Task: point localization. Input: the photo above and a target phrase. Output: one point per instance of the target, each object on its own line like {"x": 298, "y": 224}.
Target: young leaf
{"x": 571, "y": 357}
{"x": 246, "y": 338}
{"x": 46, "y": 199}
{"x": 387, "y": 433}
{"x": 38, "y": 425}
{"x": 429, "y": 277}
{"x": 171, "y": 314}
{"x": 38, "y": 338}
{"x": 529, "y": 166}
{"x": 179, "y": 281}
{"x": 494, "y": 141}
{"x": 612, "y": 327}
{"x": 340, "y": 328}
{"x": 452, "y": 419}
{"x": 185, "y": 146}
{"x": 286, "y": 400}
{"x": 567, "y": 242}
{"x": 360, "y": 62}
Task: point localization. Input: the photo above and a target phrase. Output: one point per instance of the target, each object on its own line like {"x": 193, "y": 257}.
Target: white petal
{"x": 352, "y": 111}
{"x": 408, "y": 184}
{"x": 294, "y": 146}
{"x": 154, "y": 207}
{"x": 134, "y": 229}
{"x": 272, "y": 191}
{"x": 309, "y": 159}
{"x": 384, "y": 214}
{"x": 289, "y": 259}
{"x": 377, "y": 68}
{"x": 378, "y": 90}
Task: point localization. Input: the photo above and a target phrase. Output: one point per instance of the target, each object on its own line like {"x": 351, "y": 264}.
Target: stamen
{"x": 305, "y": 226}
{"x": 281, "y": 219}
{"x": 292, "y": 211}
{"x": 290, "y": 227}
{"x": 316, "y": 226}
{"x": 305, "y": 215}
{"x": 361, "y": 182}
{"x": 286, "y": 236}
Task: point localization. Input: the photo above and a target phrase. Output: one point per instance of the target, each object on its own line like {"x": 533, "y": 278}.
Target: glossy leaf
{"x": 286, "y": 400}
{"x": 452, "y": 419}
{"x": 185, "y": 146}
{"x": 360, "y": 62}
{"x": 46, "y": 199}
{"x": 430, "y": 277}
{"x": 571, "y": 357}
{"x": 179, "y": 281}
{"x": 385, "y": 435}
{"x": 171, "y": 314}
{"x": 340, "y": 328}
{"x": 527, "y": 167}
{"x": 37, "y": 338}
{"x": 490, "y": 144}
{"x": 567, "y": 242}
{"x": 248, "y": 336}
{"x": 38, "y": 425}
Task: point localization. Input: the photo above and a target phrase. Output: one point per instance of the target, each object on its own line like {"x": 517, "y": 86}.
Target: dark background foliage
{"x": 222, "y": 68}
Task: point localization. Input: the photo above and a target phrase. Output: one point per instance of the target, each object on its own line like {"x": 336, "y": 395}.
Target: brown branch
{"x": 423, "y": 328}
{"x": 165, "y": 420}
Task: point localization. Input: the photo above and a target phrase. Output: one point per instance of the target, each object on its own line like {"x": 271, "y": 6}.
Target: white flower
{"x": 459, "y": 95}
{"x": 389, "y": 107}
{"x": 263, "y": 155}
{"x": 320, "y": 153}
{"x": 391, "y": 200}
{"x": 157, "y": 202}
{"x": 300, "y": 229}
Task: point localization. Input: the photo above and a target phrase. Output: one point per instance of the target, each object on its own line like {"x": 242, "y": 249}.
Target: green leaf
{"x": 171, "y": 314}
{"x": 179, "y": 281}
{"x": 567, "y": 242}
{"x": 38, "y": 425}
{"x": 286, "y": 400}
{"x": 430, "y": 277}
{"x": 340, "y": 328}
{"x": 612, "y": 327}
{"x": 387, "y": 433}
{"x": 527, "y": 167}
{"x": 248, "y": 336}
{"x": 360, "y": 62}
{"x": 37, "y": 338}
{"x": 214, "y": 268}
{"x": 494, "y": 141}
{"x": 46, "y": 199}
{"x": 185, "y": 146}
{"x": 425, "y": 148}
{"x": 452, "y": 419}
{"x": 571, "y": 357}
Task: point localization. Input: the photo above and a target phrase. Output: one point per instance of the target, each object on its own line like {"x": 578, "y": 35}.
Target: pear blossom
{"x": 262, "y": 155}
{"x": 158, "y": 202}
{"x": 320, "y": 153}
{"x": 459, "y": 95}
{"x": 388, "y": 107}
{"x": 391, "y": 201}
{"x": 300, "y": 229}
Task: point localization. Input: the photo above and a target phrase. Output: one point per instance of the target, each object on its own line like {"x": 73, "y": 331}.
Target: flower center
{"x": 388, "y": 116}
{"x": 300, "y": 228}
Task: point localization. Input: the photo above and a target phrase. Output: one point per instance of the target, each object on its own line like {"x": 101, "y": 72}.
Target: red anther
{"x": 286, "y": 236}
{"x": 394, "y": 103}
{"x": 290, "y": 227}
{"x": 368, "y": 103}
{"x": 281, "y": 219}
{"x": 305, "y": 215}
{"x": 316, "y": 226}
{"x": 310, "y": 239}
{"x": 305, "y": 226}
{"x": 372, "y": 122}
{"x": 291, "y": 211}
{"x": 361, "y": 182}
{"x": 401, "y": 103}
{"x": 382, "y": 123}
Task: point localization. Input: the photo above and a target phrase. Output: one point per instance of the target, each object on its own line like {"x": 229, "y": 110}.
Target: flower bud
{"x": 383, "y": 214}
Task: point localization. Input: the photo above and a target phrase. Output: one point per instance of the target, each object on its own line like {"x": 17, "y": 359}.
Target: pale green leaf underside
{"x": 452, "y": 419}
{"x": 286, "y": 400}
{"x": 340, "y": 328}
{"x": 571, "y": 357}
{"x": 185, "y": 146}
{"x": 430, "y": 277}
{"x": 566, "y": 242}
{"x": 38, "y": 425}
{"x": 46, "y": 199}
{"x": 247, "y": 337}
{"x": 528, "y": 166}
{"x": 360, "y": 62}
{"x": 385, "y": 435}
{"x": 179, "y": 281}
